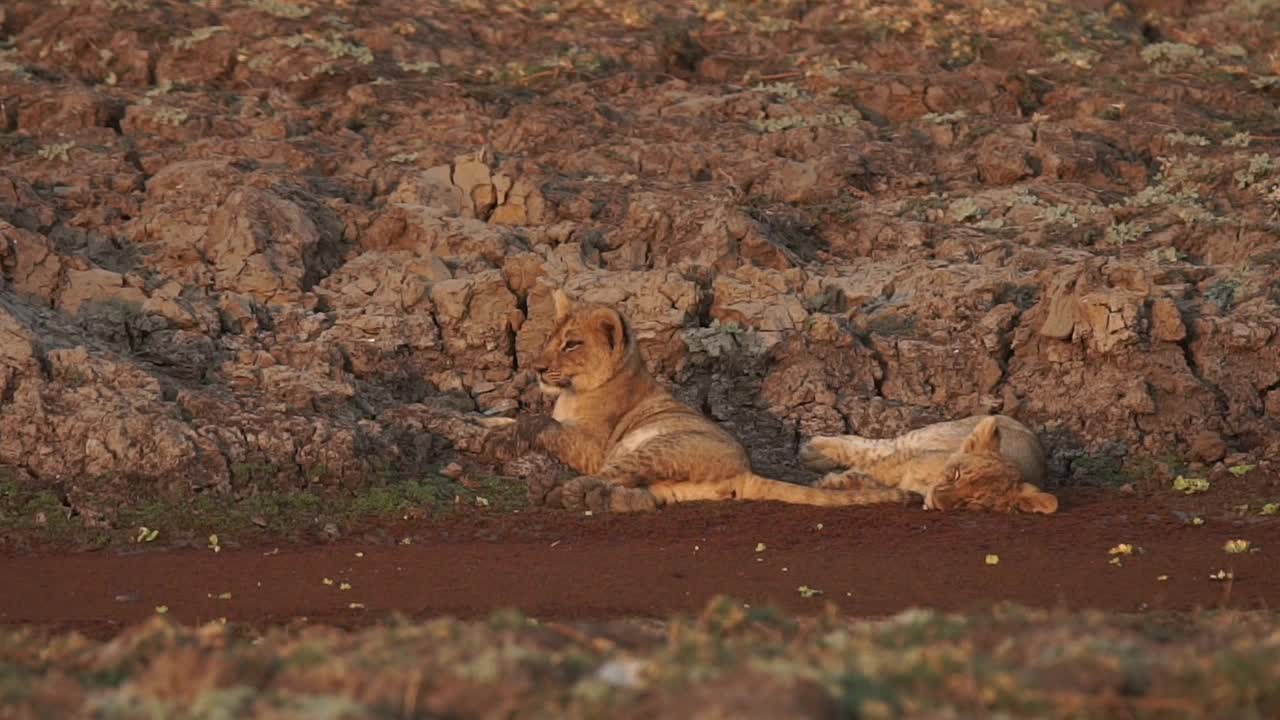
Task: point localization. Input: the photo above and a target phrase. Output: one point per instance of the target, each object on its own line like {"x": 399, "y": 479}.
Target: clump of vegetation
{"x": 171, "y": 116}
{"x": 1181, "y": 138}
{"x": 1241, "y": 140}
{"x": 197, "y": 36}
{"x": 844, "y": 118}
{"x": 1166, "y": 57}
{"x": 56, "y": 151}
{"x": 425, "y": 67}
{"x": 1123, "y": 233}
{"x": 1083, "y": 58}
{"x": 944, "y": 118}
{"x": 1190, "y": 485}
{"x": 281, "y": 8}
{"x": 1223, "y": 293}
{"x": 1060, "y": 215}
{"x": 785, "y": 90}
{"x": 1260, "y": 167}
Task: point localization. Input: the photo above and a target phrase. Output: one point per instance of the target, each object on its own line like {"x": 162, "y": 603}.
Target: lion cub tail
{"x": 750, "y": 486}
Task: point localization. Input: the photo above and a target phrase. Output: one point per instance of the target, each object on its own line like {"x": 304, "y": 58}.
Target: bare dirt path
{"x": 553, "y": 565}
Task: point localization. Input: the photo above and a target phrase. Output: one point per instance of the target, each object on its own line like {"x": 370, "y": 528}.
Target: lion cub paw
{"x": 586, "y": 493}
{"x": 816, "y": 454}
{"x": 626, "y": 499}
{"x": 546, "y": 490}
{"x": 912, "y": 499}
{"x": 509, "y": 441}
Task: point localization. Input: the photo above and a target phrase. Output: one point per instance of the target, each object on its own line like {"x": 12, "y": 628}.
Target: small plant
{"x": 338, "y": 48}
{"x": 197, "y": 36}
{"x": 1235, "y": 547}
{"x": 1023, "y": 198}
{"x": 171, "y": 116}
{"x": 845, "y": 118}
{"x": 1260, "y": 167}
{"x": 964, "y": 209}
{"x": 1120, "y": 551}
{"x": 1270, "y": 509}
{"x": 56, "y": 151}
{"x": 1125, "y": 232}
{"x": 1240, "y": 140}
{"x": 944, "y": 118}
{"x": 425, "y": 67}
{"x": 1060, "y": 215}
{"x": 785, "y": 90}
{"x": 1190, "y": 486}
{"x": 1240, "y": 470}
{"x": 280, "y": 9}
{"x": 1083, "y": 58}
{"x": 808, "y": 592}
{"x": 1180, "y": 138}
{"x": 1223, "y": 293}
{"x": 1170, "y": 57}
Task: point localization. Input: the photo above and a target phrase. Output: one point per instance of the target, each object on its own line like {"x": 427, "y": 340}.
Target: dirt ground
{"x": 867, "y": 561}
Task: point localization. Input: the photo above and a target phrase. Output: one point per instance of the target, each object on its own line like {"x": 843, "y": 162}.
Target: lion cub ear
{"x": 613, "y": 328}
{"x": 562, "y": 302}
{"x": 984, "y": 438}
{"x": 1032, "y": 499}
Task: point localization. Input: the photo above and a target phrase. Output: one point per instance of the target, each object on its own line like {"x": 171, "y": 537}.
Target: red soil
{"x": 868, "y": 561}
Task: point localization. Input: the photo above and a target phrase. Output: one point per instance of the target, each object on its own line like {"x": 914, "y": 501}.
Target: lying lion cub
{"x": 636, "y": 446}
{"x": 981, "y": 462}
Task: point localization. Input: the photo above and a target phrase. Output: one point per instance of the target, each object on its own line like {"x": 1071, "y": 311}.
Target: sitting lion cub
{"x": 981, "y": 462}
{"x": 636, "y": 445}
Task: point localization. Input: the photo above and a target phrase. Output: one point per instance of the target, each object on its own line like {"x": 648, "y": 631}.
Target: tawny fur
{"x": 980, "y": 462}
{"x": 636, "y": 446}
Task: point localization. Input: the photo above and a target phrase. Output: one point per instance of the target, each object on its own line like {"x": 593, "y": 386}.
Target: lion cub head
{"x": 588, "y": 346}
{"x": 979, "y": 477}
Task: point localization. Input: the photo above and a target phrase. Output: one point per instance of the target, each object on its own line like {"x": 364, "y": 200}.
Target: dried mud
{"x": 553, "y": 565}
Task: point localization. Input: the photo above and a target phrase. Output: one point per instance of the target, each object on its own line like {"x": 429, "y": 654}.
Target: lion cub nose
{"x": 540, "y": 366}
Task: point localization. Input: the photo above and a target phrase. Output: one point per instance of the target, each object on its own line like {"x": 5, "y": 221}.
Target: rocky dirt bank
{"x": 259, "y": 244}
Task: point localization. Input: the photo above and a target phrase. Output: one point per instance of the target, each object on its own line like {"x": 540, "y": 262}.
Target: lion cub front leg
{"x": 578, "y": 448}
{"x": 824, "y": 453}
{"x": 590, "y": 492}
{"x": 847, "y": 480}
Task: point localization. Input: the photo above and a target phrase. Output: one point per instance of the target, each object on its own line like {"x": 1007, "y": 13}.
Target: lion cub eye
{"x": 571, "y": 345}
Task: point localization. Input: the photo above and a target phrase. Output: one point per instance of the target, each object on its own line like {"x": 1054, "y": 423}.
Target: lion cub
{"x": 981, "y": 462}
{"x": 636, "y": 446}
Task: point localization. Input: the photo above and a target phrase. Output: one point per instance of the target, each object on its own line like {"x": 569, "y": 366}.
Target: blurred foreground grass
{"x": 731, "y": 661}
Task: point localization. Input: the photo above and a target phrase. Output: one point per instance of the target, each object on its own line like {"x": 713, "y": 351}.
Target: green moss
{"x": 38, "y": 514}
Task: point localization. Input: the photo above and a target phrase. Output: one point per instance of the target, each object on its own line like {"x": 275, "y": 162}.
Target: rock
{"x": 1166, "y": 321}
{"x": 1002, "y": 160}
{"x": 30, "y": 262}
{"x": 267, "y": 247}
{"x": 99, "y": 286}
{"x": 1207, "y": 446}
